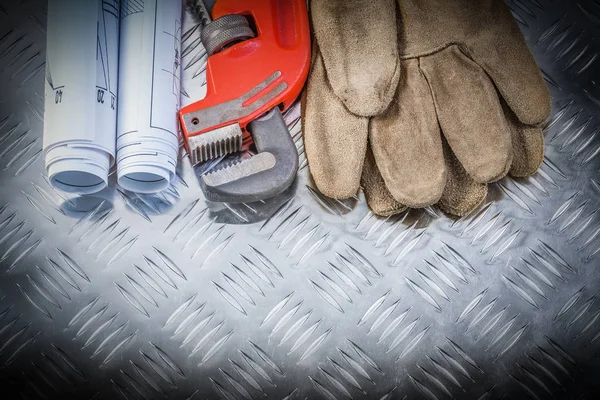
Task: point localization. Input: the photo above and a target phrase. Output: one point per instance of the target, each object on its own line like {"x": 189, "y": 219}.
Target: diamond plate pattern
{"x": 300, "y": 297}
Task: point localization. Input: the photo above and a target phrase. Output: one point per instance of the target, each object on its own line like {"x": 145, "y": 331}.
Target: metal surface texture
{"x": 118, "y": 295}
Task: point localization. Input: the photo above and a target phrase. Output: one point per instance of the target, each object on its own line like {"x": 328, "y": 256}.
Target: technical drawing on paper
{"x": 106, "y": 71}
{"x": 56, "y": 89}
{"x": 166, "y": 76}
{"x": 175, "y": 71}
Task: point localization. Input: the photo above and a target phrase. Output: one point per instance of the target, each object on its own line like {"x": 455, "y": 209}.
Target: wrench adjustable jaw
{"x": 265, "y": 175}
{"x": 249, "y": 80}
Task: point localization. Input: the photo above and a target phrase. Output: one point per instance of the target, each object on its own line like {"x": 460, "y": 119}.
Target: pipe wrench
{"x": 258, "y": 61}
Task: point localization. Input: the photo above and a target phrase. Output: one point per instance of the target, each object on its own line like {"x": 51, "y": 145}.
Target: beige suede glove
{"x": 423, "y": 101}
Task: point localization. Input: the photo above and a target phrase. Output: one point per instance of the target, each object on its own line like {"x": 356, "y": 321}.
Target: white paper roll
{"x": 149, "y": 81}
{"x": 81, "y": 93}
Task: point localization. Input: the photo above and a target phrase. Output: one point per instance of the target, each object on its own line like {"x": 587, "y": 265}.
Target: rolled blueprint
{"x": 149, "y": 82}
{"x": 80, "y": 113}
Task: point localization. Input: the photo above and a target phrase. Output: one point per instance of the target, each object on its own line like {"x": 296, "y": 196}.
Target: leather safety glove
{"x": 426, "y": 101}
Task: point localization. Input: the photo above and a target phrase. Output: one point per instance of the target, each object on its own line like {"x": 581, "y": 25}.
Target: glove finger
{"x": 470, "y": 114}
{"x": 359, "y": 44}
{"x": 527, "y": 144}
{"x": 378, "y": 197}
{"x": 335, "y": 140}
{"x": 462, "y": 194}
{"x": 406, "y": 142}
{"x": 510, "y": 64}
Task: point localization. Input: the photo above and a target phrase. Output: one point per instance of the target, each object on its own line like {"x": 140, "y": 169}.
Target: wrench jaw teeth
{"x": 216, "y": 143}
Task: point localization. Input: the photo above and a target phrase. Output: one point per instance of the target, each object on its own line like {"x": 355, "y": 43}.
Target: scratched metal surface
{"x": 122, "y": 295}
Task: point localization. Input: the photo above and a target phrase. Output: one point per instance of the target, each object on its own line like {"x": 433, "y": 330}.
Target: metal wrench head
{"x": 265, "y": 175}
